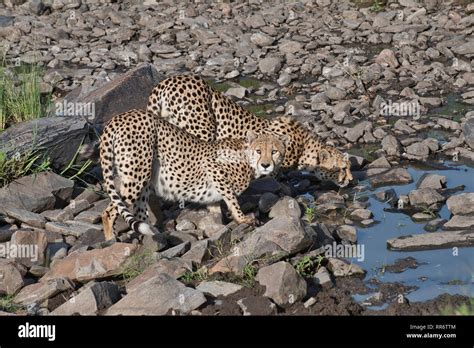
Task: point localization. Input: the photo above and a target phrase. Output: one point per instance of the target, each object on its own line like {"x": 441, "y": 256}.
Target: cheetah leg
{"x": 232, "y": 203}
{"x": 109, "y": 216}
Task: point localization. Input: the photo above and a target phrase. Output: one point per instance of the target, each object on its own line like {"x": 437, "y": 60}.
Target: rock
{"x": 32, "y": 243}
{"x": 257, "y": 305}
{"x": 432, "y": 181}
{"x": 290, "y": 47}
{"x": 262, "y": 185}
{"x": 355, "y": 133}
{"x": 40, "y": 292}
{"x": 84, "y": 266}
{"x": 434, "y": 225}
{"x": 198, "y": 253}
{"x": 129, "y": 91}
{"x": 341, "y": 268}
{"x": 329, "y": 201}
{"x": 387, "y": 58}
{"x": 266, "y": 201}
{"x": 323, "y": 278}
{"x": 36, "y": 193}
{"x": 176, "y": 251}
{"x": 402, "y": 126}
{"x": 217, "y": 288}
{"x": 468, "y": 131}
{"x": 425, "y": 197}
{"x": 418, "y": 150}
{"x": 174, "y": 267}
{"x": 231, "y": 264}
{"x": 88, "y": 238}
{"x": 419, "y": 217}
{"x": 392, "y": 177}
{"x": 238, "y": 92}
{"x": 361, "y": 214}
{"x": 11, "y": 277}
{"x": 461, "y": 204}
{"x": 391, "y": 146}
{"x": 90, "y": 301}
{"x": 459, "y": 222}
{"x": 429, "y": 241}
{"x": 71, "y": 228}
{"x": 346, "y": 232}
{"x": 335, "y": 93}
{"x": 158, "y": 296}
{"x": 466, "y": 48}
{"x": 286, "y": 206}
{"x": 25, "y": 216}
{"x": 6, "y": 233}
{"x": 58, "y": 215}
{"x": 261, "y": 39}
{"x": 280, "y": 235}
{"x": 283, "y": 284}
{"x": 255, "y": 21}
{"x": 270, "y": 65}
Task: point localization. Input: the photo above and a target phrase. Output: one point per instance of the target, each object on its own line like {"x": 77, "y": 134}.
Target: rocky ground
{"x": 335, "y": 66}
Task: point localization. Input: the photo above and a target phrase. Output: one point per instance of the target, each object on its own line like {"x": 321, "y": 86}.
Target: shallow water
{"x": 437, "y": 267}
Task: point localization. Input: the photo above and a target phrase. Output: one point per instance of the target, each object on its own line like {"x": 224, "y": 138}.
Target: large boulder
{"x": 36, "y": 193}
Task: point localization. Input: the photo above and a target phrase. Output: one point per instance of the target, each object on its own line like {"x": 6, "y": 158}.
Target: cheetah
{"x": 188, "y": 102}
{"x": 149, "y": 153}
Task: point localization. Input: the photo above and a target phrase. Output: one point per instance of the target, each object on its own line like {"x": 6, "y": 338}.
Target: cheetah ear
{"x": 323, "y": 156}
{"x": 251, "y": 136}
{"x": 286, "y": 140}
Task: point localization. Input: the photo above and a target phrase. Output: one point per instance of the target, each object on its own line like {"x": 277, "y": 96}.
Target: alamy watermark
{"x": 21, "y": 251}
{"x": 404, "y": 109}
{"x": 349, "y": 251}
{"x": 66, "y": 108}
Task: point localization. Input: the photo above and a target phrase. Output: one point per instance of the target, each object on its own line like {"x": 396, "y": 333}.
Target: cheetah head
{"x": 327, "y": 164}
{"x": 265, "y": 152}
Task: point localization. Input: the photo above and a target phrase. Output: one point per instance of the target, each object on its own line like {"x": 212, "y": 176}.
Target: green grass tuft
{"x": 20, "y": 165}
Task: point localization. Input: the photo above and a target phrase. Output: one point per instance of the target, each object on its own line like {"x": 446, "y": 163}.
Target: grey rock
{"x": 434, "y": 225}
{"x": 461, "y": 204}
{"x": 468, "y": 131}
{"x": 387, "y": 58}
{"x": 176, "y": 251}
{"x": 282, "y": 283}
{"x": 261, "y": 39}
{"x": 25, "y": 216}
{"x": 433, "y": 181}
{"x": 323, "y": 278}
{"x": 425, "y": 197}
{"x": 347, "y": 232}
{"x": 341, "y": 268}
{"x": 459, "y": 222}
{"x": 198, "y": 253}
{"x": 361, "y": 214}
{"x": 286, "y": 206}
{"x": 40, "y": 292}
{"x": 158, "y": 296}
{"x": 391, "y": 146}
{"x": 11, "y": 277}
{"x": 335, "y": 93}
{"x": 34, "y": 242}
{"x": 429, "y": 241}
{"x": 36, "y": 193}
{"x": 217, "y": 288}
{"x": 90, "y": 301}
{"x": 270, "y": 65}
{"x": 257, "y": 305}
{"x": 393, "y": 176}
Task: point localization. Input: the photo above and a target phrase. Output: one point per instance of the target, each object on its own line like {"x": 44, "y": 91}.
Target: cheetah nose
{"x": 265, "y": 165}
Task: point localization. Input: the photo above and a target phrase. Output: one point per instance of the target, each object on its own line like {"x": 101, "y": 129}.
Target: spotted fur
{"x": 191, "y": 104}
{"x": 143, "y": 152}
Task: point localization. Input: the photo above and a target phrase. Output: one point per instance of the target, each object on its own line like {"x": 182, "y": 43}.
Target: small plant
{"x": 250, "y": 83}
{"x": 430, "y": 212}
{"x": 466, "y": 309}
{"x": 319, "y": 261}
{"x": 199, "y": 276}
{"x": 249, "y": 273}
{"x": 7, "y": 304}
{"x": 20, "y": 165}
{"x": 136, "y": 264}
{"x": 310, "y": 213}
{"x": 305, "y": 267}
{"x": 377, "y": 6}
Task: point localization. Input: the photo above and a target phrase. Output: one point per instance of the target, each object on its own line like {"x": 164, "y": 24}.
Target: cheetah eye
{"x": 274, "y": 152}
{"x": 259, "y": 152}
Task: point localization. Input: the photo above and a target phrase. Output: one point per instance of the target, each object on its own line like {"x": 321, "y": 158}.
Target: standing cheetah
{"x": 191, "y": 104}
{"x": 148, "y": 152}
